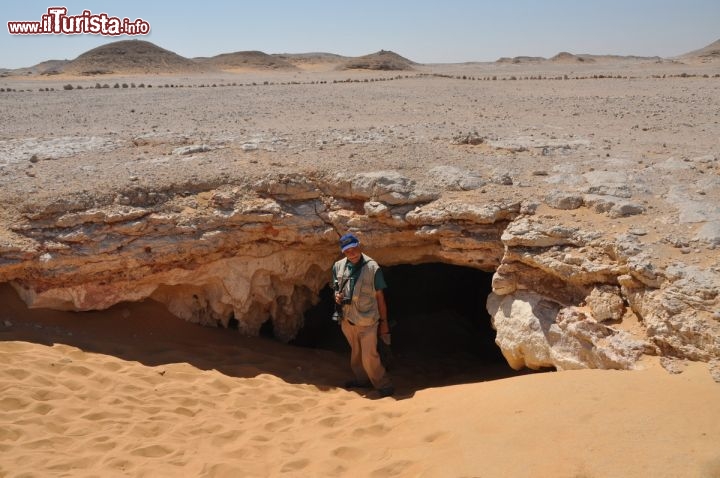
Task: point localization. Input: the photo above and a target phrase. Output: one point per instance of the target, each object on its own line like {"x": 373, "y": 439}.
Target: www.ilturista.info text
{"x": 56, "y": 21}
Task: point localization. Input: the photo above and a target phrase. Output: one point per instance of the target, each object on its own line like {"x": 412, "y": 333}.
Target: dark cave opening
{"x": 443, "y": 333}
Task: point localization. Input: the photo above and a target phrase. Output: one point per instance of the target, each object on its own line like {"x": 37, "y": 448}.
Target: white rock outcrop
{"x": 535, "y": 332}
{"x": 262, "y": 253}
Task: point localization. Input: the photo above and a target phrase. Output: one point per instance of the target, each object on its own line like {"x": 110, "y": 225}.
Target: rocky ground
{"x": 562, "y": 178}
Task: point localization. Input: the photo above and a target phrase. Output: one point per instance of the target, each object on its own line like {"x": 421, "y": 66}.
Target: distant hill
{"x": 48, "y": 67}
{"x": 382, "y": 60}
{"x": 131, "y": 57}
{"x": 521, "y": 59}
{"x": 708, "y": 54}
{"x": 142, "y": 57}
{"x": 565, "y": 57}
{"x": 303, "y": 60}
{"x": 247, "y": 59}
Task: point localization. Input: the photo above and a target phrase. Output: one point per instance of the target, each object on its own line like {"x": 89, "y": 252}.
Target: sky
{"x": 447, "y": 31}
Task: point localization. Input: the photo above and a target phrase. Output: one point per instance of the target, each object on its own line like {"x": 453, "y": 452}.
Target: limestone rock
{"x": 534, "y": 332}
{"x": 709, "y": 233}
{"x": 192, "y": 149}
{"x": 606, "y": 303}
{"x": 612, "y": 206}
{"x": 389, "y": 187}
{"x": 439, "y": 212}
{"x": 714, "y": 366}
{"x": 533, "y": 232}
{"x": 563, "y": 200}
{"x": 455, "y": 179}
{"x": 625, "y": 208}
{"x": 522, "y": 321}
{"x": 679, "y": 316}
{"x": 262, "y": 253}
{"x": 294, "y": 187}
{"x": 578, "y": 341}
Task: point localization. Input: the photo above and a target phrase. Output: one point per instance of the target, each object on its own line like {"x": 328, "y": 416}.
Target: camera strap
{"x": 354, "y": 275}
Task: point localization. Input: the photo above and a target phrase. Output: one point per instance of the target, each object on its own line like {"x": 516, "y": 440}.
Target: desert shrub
{"x": 98, "y": 86}
{"x": 116, "y": 85}
{"x": 68, "y": 87}
{"x": 124, "y": 85}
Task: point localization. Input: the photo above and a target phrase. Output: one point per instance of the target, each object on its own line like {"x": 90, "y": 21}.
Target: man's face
{"x": 353, "y": 254}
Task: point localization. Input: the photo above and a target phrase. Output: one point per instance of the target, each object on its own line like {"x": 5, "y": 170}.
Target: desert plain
{"x": 130, "y": 389}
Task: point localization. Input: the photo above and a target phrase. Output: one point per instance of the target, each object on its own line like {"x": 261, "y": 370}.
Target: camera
{"x": 337, "y": 313}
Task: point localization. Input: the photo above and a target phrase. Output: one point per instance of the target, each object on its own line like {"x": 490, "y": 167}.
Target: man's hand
{"x": 385, "y": 338}
{"x": 383, "y": 327}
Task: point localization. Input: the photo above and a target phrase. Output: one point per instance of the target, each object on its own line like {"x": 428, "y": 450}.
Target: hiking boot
{"x": 386, "y": 391}
{"x": 357, "y": 384}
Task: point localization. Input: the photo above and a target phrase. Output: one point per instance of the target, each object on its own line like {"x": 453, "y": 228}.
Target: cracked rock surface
{"x": 593, "y": 201}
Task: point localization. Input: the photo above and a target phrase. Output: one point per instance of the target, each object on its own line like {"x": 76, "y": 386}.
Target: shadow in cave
{"x": 443, "y": 333}
{"x": 145, "y": 332}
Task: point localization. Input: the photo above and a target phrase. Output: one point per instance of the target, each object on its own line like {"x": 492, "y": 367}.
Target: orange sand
{"x": 134, "y": 392}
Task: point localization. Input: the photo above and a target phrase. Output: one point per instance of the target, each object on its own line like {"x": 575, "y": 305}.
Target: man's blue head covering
{"x": 348, "y": 241}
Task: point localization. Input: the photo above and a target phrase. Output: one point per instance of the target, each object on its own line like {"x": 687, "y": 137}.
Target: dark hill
{"x": 247, "y": 59}
{"x": 382, "y": 60}
{"x": 131, "y": 57}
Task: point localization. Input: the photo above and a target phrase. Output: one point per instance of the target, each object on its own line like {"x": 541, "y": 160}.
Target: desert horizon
{"x": 99, "y": 61}
{"x": 548, "y": 228}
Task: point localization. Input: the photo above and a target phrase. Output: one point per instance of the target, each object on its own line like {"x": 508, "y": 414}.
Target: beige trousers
{"x": 364, "y": 358}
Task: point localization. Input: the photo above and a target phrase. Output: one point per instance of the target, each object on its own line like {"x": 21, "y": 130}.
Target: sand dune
{"x": 135, "y": 392}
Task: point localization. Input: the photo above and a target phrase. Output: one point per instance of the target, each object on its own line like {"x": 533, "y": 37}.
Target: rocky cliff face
{"x": 563, "y": 296}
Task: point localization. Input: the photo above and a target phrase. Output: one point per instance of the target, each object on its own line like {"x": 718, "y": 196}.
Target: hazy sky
{"x": 423, "y": 31}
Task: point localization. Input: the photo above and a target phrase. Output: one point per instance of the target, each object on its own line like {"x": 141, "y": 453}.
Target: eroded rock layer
{"x": 563, "y": 296}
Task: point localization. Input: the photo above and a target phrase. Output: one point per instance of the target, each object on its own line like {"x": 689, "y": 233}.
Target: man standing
{"x": 359, "y": 283}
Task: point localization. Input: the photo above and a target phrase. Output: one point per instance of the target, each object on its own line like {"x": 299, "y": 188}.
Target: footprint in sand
{"x": 348, "y": 453}
{"x": 290, "y": 408}
{"x": 433, "y": 437}
{"x": 42, "y": 409}
{"x": 13, "y": 404}
{"x": 151, "y": 451}
{"x": 329, "y": 421}
{"x": 393, "y": 469}
{"x": 17, "y": 373}
{"x": 230, "y": 436}
{"x": 295, "y": 465}
{"x": 185, "y": 411}
{"x": 278, "y": 425}
{"x": 373, "y": 430}
{"x": 78, "y": 370}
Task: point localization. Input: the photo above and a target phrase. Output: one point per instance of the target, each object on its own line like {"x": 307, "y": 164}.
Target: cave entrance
{"x": 443, "y": 334}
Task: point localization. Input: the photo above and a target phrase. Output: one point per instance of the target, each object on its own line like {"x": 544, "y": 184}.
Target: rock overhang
{"x": 264, "y": 250}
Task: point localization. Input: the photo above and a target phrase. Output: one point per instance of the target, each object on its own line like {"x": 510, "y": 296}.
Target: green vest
{"x": 363, "y": 308}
